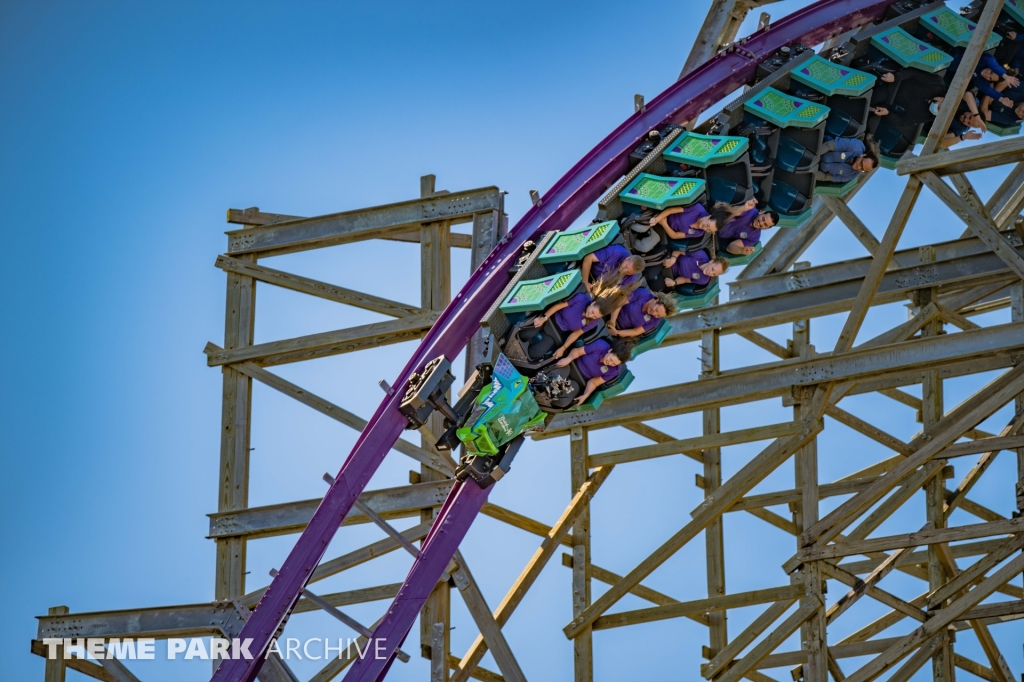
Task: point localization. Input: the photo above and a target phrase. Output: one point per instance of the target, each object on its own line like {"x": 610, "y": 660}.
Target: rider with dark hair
{"x": 741, "y": 235}
{"x": 643, "y": 312}
{"x": 576, "y": 315}
{"x": 845, "y": 158}
{"x": 692, "y": 221}
{"x": 599, "y": 362}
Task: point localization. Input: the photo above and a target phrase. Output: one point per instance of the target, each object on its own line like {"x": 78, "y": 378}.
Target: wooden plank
{"x": 982, "y": 227}
{"x": 996, "y": 153}
{"x": 873, "y": 591}
{"x": 873, "y": 432}
{"x": 437, "y": 462}
{"x": 939, "y": 621}
{"x": 325, "y": 344}
{"x": 731, "y": 491}
{"x": 292, "y": 517}
{"x": 479, "y": 673}
{"x": 764, "y": 342}
{"x": 369, "y": 223}
{"x": 974, "y": 668}
{"x": 349, "y": 597}
{"x": 770, "y": 643}
{"x": 316, "y": 288}
{"x": 705, "y": 442}
{"x": 860, "y": 587}
{"x": 489, "y": 628}
{"x": 696, "y": 606}
{"x": 236, "y": 426}
{"x": 858, "y": 228}
{"x": 976, "y": 571}
{"x": 742, "y": 640}
{"x": 583, "y": 643}
{"x": 922, "y": 537}
{"x": 928, "y": 650}
{"x": 77, "y": 664}
{"x": 533, "y": 568}
{"x": 976, "y": 447}
{"x": 879, "y": 265}
{"x": 349, "y": 560}
{"x": 794, "y": 495}
{"x": 778, "y": 378}
{"x": 660, "y": 437}
{"x": 254, "y": 217}
{"x": 965, "y": 416}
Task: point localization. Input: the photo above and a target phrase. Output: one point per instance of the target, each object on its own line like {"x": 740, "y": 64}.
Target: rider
{"x": 845, "y": 158}
{"x": 576, "y": 315}
{"x": 691, "y": 221}
{"x": 742, "y": 233}
{"x": 599, "y": 362}
{"x": 612, "y": 262}
{"x": 697, "y": 267}
{"x": 641, "y": 314}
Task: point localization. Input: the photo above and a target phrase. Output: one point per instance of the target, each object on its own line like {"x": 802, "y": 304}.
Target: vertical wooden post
{"x": 236, "y": 409}
{"x": 583, "y": 645}
{"x": 487, "y": 230}
{"x": 813, "y": 633}
{"x": 931, "y": 412}
{"x": 1017, "y": 315}
{"x": 435, "y": 294}
{"x": 714, "y": 539}
{"x": 55, "y": 667}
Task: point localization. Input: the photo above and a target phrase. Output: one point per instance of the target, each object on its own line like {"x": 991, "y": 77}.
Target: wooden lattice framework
{"x": 944, "y": 284}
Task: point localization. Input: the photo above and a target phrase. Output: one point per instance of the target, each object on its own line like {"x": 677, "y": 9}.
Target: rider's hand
{"x": 972, "y": 135}
{"x": 1014, "y": 82}
{"x": 747, "y": 250}
{"x": 559, "y": 353}
{"x": 539, "y": 322}
{"x": 1006, "y": 102}
{"x": 562, "y": 363}
{"x": 669, "y": 262}
{"x": 669, "y": 282}
{"x": 880, "y": 111}
{"x": 887, "y": 77}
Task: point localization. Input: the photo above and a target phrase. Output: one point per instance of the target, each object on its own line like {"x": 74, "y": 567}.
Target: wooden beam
{"x": 976, "y": 572}
{"x": 873, "y": 432}
{"x": 292, "y": 517}
{"x": 253, "y": 217}
{"x": 676, "y": 447}
{"x": 858, "y": 228}
{"x": 325, "y": 344}
{"x": 982, "y": 227}
{"x": 770, "y": 643}
{"x": 533, "y": 568}
{"x": 583, "y": 643}
{"x": 713, "y": 506}
{"x": 490, "y": 631}
{"x": 979, "y": 156}
{"x": 879, "y": 265}
{"x": 384, "y": 221}
{"x": 435, "y": 461}
{"x": 742, "y": 640}
{"x": 764, "y": 342}
{"x": 74, "y": 663}
{"x": 939, "y": 621}
{"x": 697, "y": 606}
{"x": 794, "y": 495}
{"x": 873, "y": 591}
{"x": 965, "y": 416}
{"x": 314, "y": 287}
{"x": 975, "y": 447}
{"x": 860, "y": 587}
{"x": 922, "y": 537}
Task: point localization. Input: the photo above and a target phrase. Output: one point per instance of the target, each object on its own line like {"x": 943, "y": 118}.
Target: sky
{"x": 128, "y": 129}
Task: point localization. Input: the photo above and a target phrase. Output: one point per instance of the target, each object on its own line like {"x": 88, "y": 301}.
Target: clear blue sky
{"x": 126, "y": 131}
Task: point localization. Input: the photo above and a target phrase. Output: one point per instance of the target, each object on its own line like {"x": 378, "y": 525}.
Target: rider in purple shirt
{"x": 743, "y": 232}
{"x": 599, "y": 362}
{"x": 697, "y": 267}
{"x": 612, "y": 262}
{"x": 691, "y": 221}
{"x": 643, "y": 313}
{"x": 580, "y": 313}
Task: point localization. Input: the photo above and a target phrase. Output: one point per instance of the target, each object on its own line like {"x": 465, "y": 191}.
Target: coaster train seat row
{"x": 583, "y": 302}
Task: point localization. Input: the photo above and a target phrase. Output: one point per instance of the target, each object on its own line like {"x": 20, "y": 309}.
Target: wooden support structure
{"x": 945, "y": 285}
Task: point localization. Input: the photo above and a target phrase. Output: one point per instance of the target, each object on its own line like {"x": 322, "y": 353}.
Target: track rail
{"x": 574, "y": 193}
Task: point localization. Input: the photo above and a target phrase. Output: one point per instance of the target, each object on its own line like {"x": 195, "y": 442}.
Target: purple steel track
{"x": 574, "y": 193}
